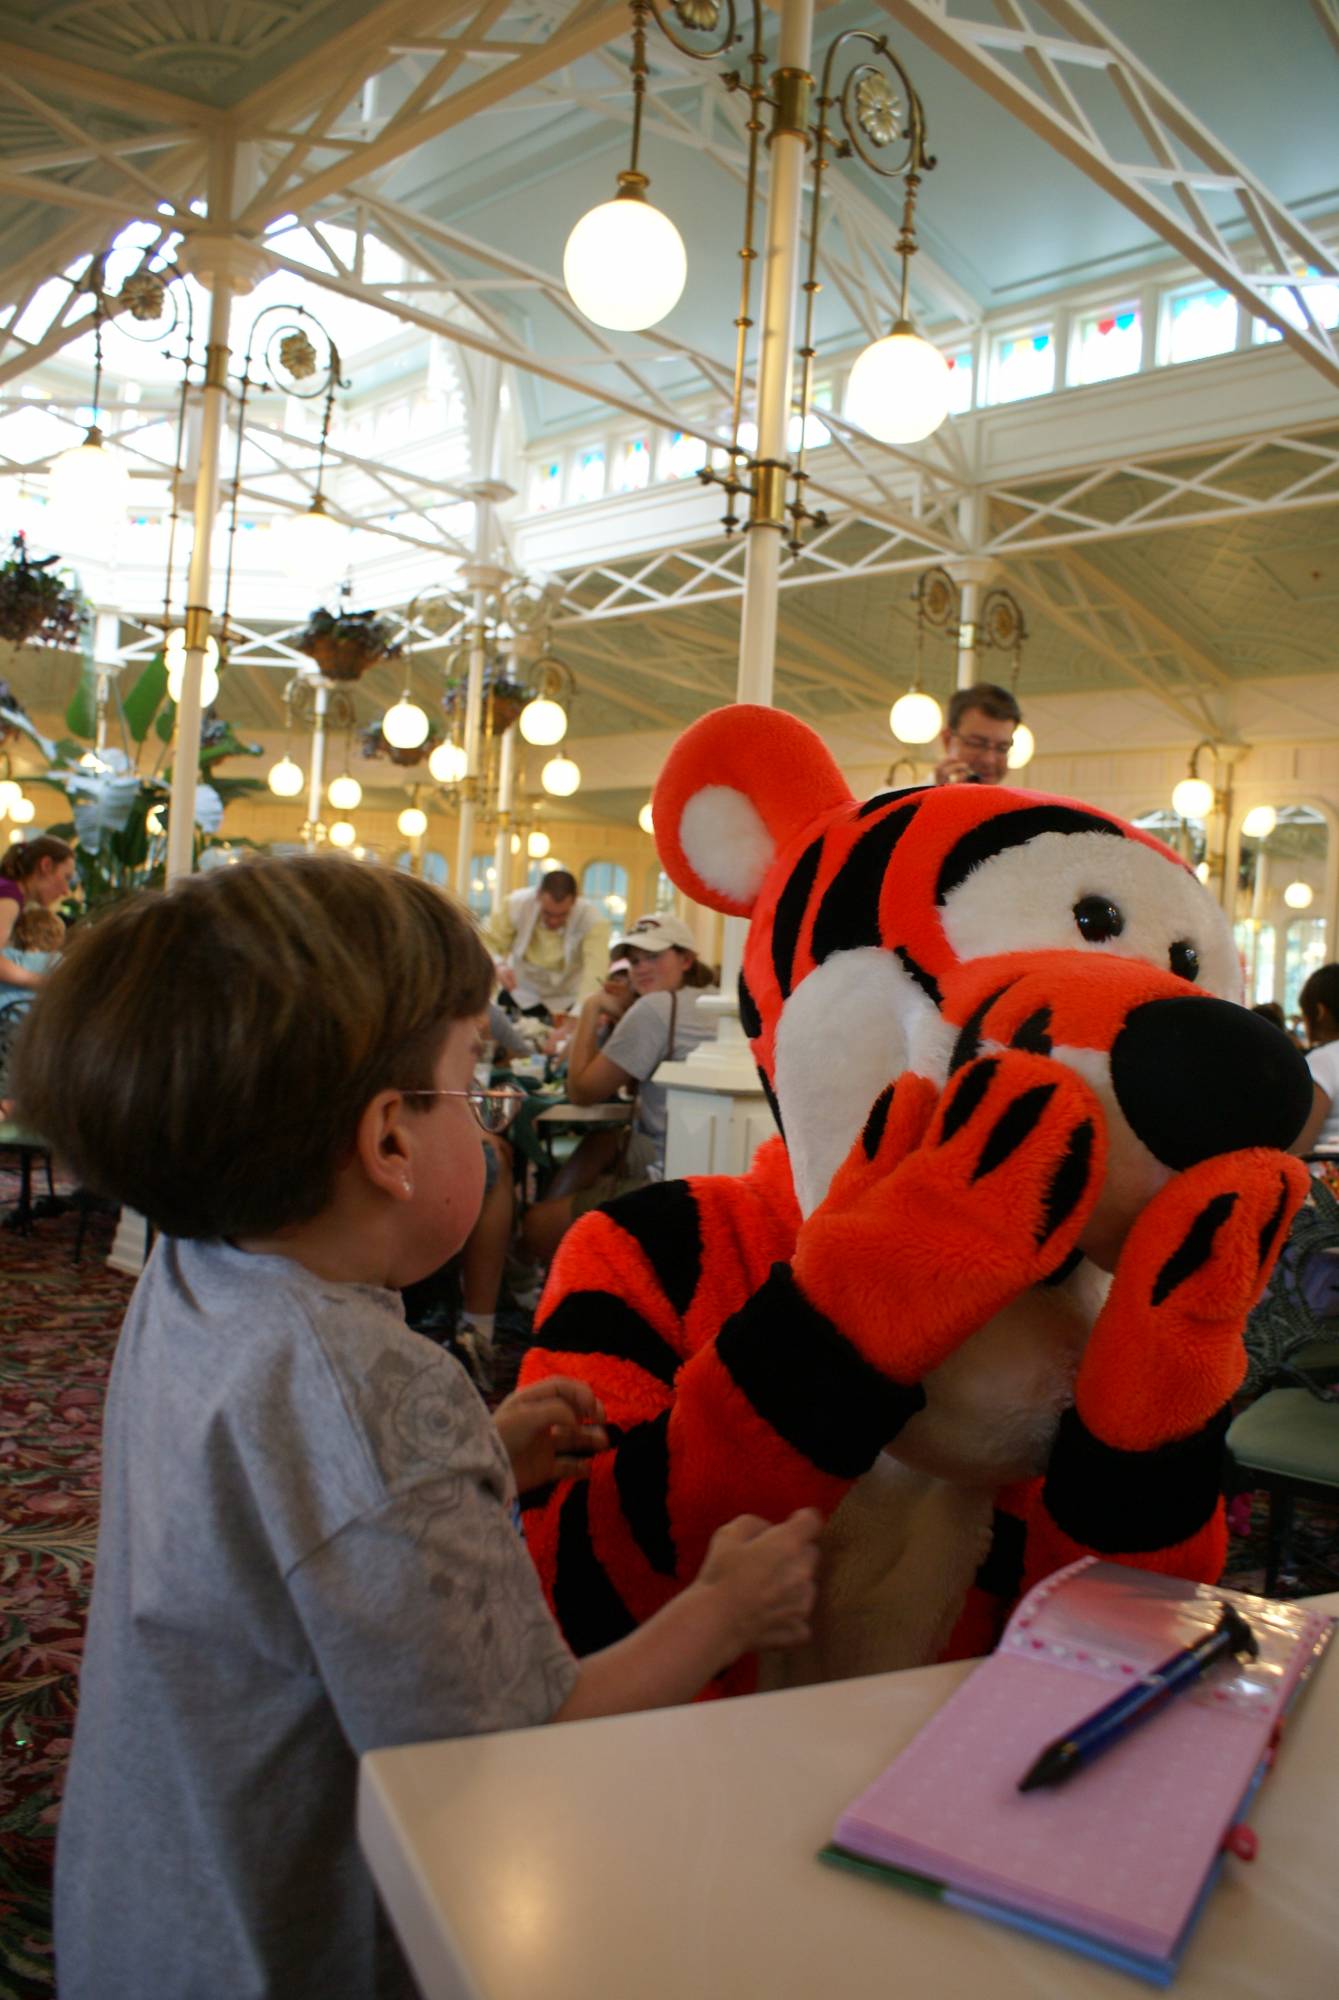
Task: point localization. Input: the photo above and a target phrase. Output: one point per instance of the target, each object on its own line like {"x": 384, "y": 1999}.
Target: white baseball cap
{"x": 655, "y": 933}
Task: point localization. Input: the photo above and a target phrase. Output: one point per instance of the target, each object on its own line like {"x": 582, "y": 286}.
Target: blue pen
{"x": 1108, "y": 1725}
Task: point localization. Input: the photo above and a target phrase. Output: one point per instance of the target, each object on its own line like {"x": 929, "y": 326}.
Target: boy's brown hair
{"x": 37, "y": 929}
{"x": 205, "y": 1056}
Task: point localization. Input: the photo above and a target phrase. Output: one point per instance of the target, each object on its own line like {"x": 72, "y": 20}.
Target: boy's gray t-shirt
{"x": 305, "y": 1552}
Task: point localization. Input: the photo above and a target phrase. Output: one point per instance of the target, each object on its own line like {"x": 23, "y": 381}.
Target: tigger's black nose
{"x": 1199, "y": 1076}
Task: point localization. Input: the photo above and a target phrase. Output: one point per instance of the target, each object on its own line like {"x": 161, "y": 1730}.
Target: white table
{"x": 670, "y": 1856}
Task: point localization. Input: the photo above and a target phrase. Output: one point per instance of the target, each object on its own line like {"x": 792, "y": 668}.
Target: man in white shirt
{"x": 551, "y": 946}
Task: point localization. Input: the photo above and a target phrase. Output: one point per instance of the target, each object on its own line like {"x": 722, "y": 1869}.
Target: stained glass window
{"x": 1322, "y": 295}
{"x": 588, "y": 474}
{"x": 1106, "y": 345}
{"x": 1199, "y": 323}
{"x": 682, "y": 456}
{"x": 546, "y": 486}
{"x": 1023, "y": 364}
{"x": 632, "y": 467}
{"x": 959, "y": 381}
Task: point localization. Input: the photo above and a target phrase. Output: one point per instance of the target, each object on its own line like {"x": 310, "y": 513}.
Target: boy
{"x": 305, "y": 1549}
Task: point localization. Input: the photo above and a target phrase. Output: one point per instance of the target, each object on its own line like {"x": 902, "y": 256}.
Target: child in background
{"x": 34, "y": 943}
{"x": 306, "y": 1549}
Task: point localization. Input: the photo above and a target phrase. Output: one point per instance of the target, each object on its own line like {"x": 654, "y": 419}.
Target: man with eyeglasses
{"x": 978, "y": 736}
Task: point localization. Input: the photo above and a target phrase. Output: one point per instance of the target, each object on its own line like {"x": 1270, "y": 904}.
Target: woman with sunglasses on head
{"x": 657, "y": 1020}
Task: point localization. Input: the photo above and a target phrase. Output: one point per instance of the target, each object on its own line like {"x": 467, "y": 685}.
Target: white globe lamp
{"x": 22, "y": 812}
{"x": 447, "y": 763}
{"x": 537, "y": 846}
{"x": 209, "y": 679}
{"x": 10, "y": 794}
{"x": 1192, "y": 798}
{"x": 625, "y": 265}
{"x": 285, "y": 778}
{"x": 916, "y": 718}
{"x": 156, "y": 822}
{"x": 543, "y": 721}
{"x": 561, "y": 777}
{"x": 310, "y": 546}
{"x": 899, "y": 387}
{"x": 345, "y": 795}
{"x": 90, "y": 486}
{"x": 343, "y": 833}
{"x": 1259, "y": 822}
{"x": 405, "y": 725}
{"x": 1299, "y": 895}
{"x": 1024, "y": 748}
{"x": 413, "y": 822}
{"x": 645, "y": 820}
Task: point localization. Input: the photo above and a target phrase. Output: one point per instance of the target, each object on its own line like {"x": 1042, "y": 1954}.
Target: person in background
{"x": 978, "y": 736}
{"x": 1319, "y": 1002}
{"x": 34, "y": 945}
{"x": 550, "y": 945}
{"x": 658, "y": 1018}
{"x": 1270, "y": 1010}
{"x": 31, "y": 871}
{"x": 306, "y": 1548}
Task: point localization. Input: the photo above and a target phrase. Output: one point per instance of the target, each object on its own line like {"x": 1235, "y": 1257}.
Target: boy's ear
{"x": 738, "y": 786}
{"x": 381, "y": 1145}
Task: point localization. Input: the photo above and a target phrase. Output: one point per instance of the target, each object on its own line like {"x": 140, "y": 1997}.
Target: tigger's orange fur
{"x": 999, "y": 1031}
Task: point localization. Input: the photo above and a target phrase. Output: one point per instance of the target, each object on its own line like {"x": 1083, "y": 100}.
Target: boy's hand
{"x": 768, "y": 1577}
{"x": 552, "y": 1430}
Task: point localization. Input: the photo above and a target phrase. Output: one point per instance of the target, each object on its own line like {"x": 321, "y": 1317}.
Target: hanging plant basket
{"x": 36, "y": 608}
{"x": 345, "y": 644}
{"x": 373, "y": 744}
{"x": 503, "y": 701}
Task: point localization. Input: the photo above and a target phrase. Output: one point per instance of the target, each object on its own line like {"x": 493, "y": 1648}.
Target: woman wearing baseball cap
{"x": 659, "y": 1015}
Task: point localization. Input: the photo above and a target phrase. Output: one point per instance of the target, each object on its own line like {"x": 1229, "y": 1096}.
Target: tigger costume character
{"x": 999, "y": 1035}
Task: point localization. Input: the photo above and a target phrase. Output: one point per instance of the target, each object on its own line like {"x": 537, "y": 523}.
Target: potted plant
{"x": 35, "y": 606}
{"x": 344, "y": 644}
{"x": 503, "y": 699}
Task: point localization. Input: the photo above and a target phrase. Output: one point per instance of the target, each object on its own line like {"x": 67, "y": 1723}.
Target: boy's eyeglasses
{"x": 494, "y": 1109}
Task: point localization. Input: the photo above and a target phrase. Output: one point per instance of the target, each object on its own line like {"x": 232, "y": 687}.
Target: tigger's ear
{"x": 737, "y": 786}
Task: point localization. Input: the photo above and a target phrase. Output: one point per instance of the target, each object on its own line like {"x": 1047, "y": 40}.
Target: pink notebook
{"x": 1117, "y": 1860}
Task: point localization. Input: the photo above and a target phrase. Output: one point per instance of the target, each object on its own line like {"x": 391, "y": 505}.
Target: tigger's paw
{"x": 922, "y": 1243}
{"x": 1166, "y": 1353}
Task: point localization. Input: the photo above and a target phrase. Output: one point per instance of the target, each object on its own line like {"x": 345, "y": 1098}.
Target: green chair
{"x": 1287, "y": 1444}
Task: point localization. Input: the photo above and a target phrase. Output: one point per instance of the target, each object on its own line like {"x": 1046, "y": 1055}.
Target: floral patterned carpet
{"x": 58, "y": 1328}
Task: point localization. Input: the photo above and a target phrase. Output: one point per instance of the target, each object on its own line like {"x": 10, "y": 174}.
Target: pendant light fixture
{"x": 405, "y": 725}
{"x": 89, "y": 485}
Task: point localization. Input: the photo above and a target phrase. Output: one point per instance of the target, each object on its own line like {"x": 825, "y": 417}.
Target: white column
{"x": 316, "y": 785}
{"x": 107, "y": 665}
{"x": 776, "y": 360}
{"x": 186, "y": 745}
{"x": 506, "y": 792}
{"x": 473, "y": 714}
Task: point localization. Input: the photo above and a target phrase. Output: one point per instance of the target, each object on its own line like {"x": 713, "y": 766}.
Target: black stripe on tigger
{"x": 589, "y": 1609}
{"x": 770, "y": 1095}
{"x": 1067, "y": 1268}
{"x": 1001, "y": 1574}
{"x": 968, "y": 1043}
{"x": 791, "y": 905}
{"x": 872, "y": 1136}
{"x": 848, "y": 915}
{"x": 1067, "y": 1185}
{"x": 1195, "y": 1247}
{"x": 641, "y": 1474}
{"x": 1034, "y": 1033}
{"x": 750, "y": 1020}
{"x": 927, "y": 982}
{"x": 809, "y": 1383}
{"x": 598, "y": 1323}
{"x": 966, "y": 1098}
{"x": 663, "y": 1222}
{"x": 1128, "y": 1501}
{"x": 881, "y": 799}
{"x": 1271, "y": 1228}
{"x": 1012, "y": 829}
{"x": 1012, "y": 1126}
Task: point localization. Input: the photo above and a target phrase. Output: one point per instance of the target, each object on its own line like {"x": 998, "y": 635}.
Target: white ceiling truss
{"x": 336, "y": 137}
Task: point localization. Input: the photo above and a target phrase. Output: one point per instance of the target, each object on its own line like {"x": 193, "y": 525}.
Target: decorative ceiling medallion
{"x": 876, "y": 109}
{"x": 701, "y": 15}
{"x": 298, "y": 355}
{"x": 144, "y": 293}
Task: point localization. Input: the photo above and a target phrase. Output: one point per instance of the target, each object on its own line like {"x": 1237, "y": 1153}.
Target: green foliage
{"x": 145, "y": 699}
{"x": 81, "y": 717}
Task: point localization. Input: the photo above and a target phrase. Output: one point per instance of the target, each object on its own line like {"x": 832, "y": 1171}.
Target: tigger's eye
{"x": 1098, "y": 919}
{"x": 1184, "y": 959}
